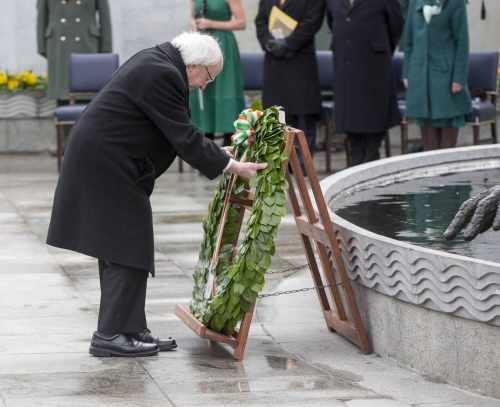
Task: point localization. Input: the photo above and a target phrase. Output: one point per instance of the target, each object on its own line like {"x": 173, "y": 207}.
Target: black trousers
{"x": 364, "y": 147}
{"x": 306, "y": 123}
{"x": 123, "y": 298}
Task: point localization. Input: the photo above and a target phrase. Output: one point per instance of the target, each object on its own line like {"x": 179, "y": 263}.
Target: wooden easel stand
{"x": 318, "y": 238}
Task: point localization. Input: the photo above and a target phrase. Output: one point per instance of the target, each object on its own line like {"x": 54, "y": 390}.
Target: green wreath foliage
{"x": 239, "y": 282}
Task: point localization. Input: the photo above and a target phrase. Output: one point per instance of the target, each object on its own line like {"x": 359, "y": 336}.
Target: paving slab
{"x": 48, "y": 310}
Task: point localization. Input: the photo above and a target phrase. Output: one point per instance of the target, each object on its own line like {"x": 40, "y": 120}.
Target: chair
{"x": 252, "y": 68}
{"x": 482, "y": 82}
{"x": 88, "y": 73}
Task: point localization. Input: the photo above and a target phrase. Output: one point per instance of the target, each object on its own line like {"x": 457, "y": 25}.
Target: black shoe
{"x": 163, "y": 344}
{"x": 120, "y": 345}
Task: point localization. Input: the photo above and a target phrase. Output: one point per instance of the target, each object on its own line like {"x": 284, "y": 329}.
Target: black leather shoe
{"x": 120, "y": 345}
{"x": 163, "y": 344}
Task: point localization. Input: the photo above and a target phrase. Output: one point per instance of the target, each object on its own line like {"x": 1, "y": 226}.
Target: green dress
{"x": 222, "y": 99}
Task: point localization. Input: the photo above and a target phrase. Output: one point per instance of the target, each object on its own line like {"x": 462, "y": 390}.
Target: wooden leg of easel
{"x": 242, "y": 336}
{"x": 332, "y": 282}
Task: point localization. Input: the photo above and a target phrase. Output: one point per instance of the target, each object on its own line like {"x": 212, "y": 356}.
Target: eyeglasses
{"x": 210, "y": 78}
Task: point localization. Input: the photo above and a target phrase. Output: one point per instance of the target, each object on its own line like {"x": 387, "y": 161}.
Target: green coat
{"x": 436, "y": 55}
{"x": 70, "y": 26}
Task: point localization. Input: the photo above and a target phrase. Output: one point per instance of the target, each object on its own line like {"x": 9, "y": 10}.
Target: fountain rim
{"x": 446, "y": 159}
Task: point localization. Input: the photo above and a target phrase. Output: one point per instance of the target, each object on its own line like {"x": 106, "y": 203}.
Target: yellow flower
{"x": 3, "y": 77}
{"x": 24, "y": 76}
{"x": 31, "y": 79}
{"x": 12, "y": 84}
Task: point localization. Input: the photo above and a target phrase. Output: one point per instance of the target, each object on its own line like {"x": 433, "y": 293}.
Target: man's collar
{"x": 176, "y": 58}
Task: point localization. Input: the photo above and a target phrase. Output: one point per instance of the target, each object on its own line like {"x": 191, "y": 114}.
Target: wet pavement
{"x": 48, "y": 311}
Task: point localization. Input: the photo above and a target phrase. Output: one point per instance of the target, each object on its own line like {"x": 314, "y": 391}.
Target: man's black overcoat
{"x": 126, "y": 138}
{"x": 364, "y": 39}
{"x": 293, "y": 82}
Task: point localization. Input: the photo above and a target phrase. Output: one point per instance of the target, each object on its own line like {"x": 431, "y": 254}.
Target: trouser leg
{"x": 123, "y": 299}
{"x": 449, "y": 137}
{"x": 372, "y": 146}
{"x": 357, "y": 147}
{"x": 365, "y": 146}
{"x": 227, "y": 139}
{"x": 293, "y": 120}
{"x": 307, "y": 122}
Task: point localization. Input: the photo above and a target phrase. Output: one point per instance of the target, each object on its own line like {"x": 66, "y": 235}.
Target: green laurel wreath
{"x": 238, "y": 282}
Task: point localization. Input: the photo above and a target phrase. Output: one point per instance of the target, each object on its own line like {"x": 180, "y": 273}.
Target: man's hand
{"x": 246, "y": 170}
{"x": 477, "y": 215}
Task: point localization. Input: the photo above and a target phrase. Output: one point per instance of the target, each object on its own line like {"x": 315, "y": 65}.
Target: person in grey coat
{"x": 365, "y": 35}
{"x": 70, "y": 26}
{"x": 127, "y": 137}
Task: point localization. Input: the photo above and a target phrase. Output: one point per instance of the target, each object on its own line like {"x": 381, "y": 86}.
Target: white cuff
{"x": 229, "y": 165}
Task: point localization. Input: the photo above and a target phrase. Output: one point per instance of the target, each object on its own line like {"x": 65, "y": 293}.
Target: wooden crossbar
{"x": 318, "y": 238}
{"x": 315, "y": 225}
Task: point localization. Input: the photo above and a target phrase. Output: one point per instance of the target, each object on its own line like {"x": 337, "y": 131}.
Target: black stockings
{"x": 435, "y": 139}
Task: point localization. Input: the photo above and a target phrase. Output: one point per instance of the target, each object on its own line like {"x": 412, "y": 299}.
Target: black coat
{"x": 364, "y": 39}
{"x": 126, "y": 138}
{"x": 293, "y": 82}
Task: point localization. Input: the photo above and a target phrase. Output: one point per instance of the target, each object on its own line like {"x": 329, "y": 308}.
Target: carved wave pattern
{"x": 19, "y": 106}
{"x": 467, "y": 289}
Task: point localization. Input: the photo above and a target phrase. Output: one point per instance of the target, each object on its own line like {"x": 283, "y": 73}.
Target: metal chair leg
{"x": 348, "y": 156}
{"x": 328, "y": 146}
{"x": 181, "y": 169}
{"x": 494, "y": 132}
{"x": 476, "y": 133}
{"x": 404, "y": 136}
{"x": 387, "y": 143}
{"x": 60, "y": 145}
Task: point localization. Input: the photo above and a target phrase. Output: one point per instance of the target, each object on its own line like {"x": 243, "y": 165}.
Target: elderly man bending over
{"x": 127, "y": 137}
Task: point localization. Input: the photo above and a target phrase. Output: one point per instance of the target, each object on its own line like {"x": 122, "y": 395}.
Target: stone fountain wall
{"x": 430, "y": 310}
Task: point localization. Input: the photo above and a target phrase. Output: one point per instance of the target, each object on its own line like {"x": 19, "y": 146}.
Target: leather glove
{"x": 278, "y": 48}
{"x": 477, "y": 215}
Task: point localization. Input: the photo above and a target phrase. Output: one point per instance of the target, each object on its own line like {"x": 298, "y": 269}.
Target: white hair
{"x": 198, "y": 49}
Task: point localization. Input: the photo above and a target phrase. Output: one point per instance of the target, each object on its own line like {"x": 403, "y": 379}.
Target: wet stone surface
{"x": 49, "y": 300}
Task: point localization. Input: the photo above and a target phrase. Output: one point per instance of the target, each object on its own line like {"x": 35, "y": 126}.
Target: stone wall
{"x": 139, "y": 24}
{"x": 136, "y": 25}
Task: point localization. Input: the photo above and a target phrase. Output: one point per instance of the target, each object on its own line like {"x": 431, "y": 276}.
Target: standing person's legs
{"x": 123, "y": 299}
{"x": 293, "y": 120}
{"x": 356, "y": 147}
{"x": 449, "y": 137}
{"x": 121, "y": 313}
{"x": 372, "y": 146}
{"x": 430, "y": 138}
{"x": 227, "y": 139}
{"x": 309, "y": 122}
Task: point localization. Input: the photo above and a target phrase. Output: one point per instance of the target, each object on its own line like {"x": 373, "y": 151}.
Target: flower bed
{"x": 23, "y": 95}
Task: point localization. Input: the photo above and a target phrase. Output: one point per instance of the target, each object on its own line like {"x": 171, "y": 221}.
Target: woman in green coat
{"x": 70, "y": 26}
{"x": 216, "y": 108}
{"x": 436, "y": 45}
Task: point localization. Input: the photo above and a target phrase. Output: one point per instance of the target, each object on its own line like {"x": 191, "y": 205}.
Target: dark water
{"x": 418, "y": 211}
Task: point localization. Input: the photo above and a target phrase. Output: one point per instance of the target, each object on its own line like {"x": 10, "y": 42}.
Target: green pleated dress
{"x": 223, "y": 99}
